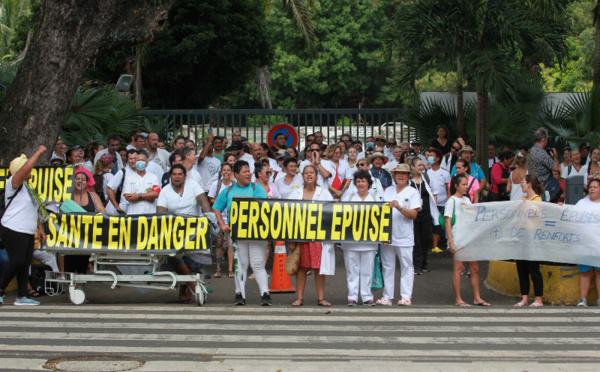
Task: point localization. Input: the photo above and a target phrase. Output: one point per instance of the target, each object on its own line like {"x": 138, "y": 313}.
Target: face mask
{"x": 370, "y": 144}
{"x": 140, "y": 165}
{"x": 430, "y": 160}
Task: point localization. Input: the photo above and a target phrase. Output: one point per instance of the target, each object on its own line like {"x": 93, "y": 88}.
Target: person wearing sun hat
{"x": 376, "y": 160}
{"x": 405, "y": 203}
{"x": 467, "y": 153}
{"x": 20, "y": 222}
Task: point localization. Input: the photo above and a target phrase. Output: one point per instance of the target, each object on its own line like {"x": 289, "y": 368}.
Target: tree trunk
{"x": 69, "y": 36}
{"x": 597, "y": 55}
{"x": 460, "y": 107}
{"x": 483, "y": 130}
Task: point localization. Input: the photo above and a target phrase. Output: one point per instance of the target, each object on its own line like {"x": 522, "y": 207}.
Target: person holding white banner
{"x": 586, "y": 272}
{"x": 405, "y": 202}
{"x": 458, "y": 188}
{"x": 532, "y": 189}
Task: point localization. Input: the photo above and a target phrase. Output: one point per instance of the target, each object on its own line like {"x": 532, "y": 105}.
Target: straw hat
{"x": 377, "y": 155}
{"x": 402, "y": 167}
{"x": 466, "y": 148}
{"x": 17, "y": 164}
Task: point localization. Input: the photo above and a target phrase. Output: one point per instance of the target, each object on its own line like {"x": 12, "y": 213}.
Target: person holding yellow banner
{"x": 405, "y": 202}
{"x": 19, "y": 224}
{"x": 359, "y": 258}
{"x": 316, "y": 256}
{"x": 247, "y": 252}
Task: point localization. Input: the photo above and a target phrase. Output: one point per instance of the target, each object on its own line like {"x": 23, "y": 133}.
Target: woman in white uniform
{"x": 405, "y": 203}
{"x": 315, "y": 256}
{"x": 359, "y": 258}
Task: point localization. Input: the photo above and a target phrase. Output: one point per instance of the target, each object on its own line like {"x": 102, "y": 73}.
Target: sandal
{"x": 298, "y": 303}
{"x": 462, "y": 304}
{"x": 217, "y": 274}
{"x": 32, "y": 293}
{"x": 520, "y": 304}
{"x": 231, "y": 274}
{"x": 482, "y": 303}
{"x": 536, "y": 304}
{"x": 322, "y": 302}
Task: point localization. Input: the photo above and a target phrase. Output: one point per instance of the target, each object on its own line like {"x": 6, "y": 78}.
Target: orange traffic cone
{"x": 280, "y": 281}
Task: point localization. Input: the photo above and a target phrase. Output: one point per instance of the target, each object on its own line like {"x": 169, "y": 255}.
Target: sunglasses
{"x": 269, "y": 173}
{"x": 455, "y": 149}
{"x": 313, "y": 150}
{"x": 362, "y": 165}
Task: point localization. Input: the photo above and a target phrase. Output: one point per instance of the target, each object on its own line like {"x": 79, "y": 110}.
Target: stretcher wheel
{"x": 77, "y": 296}
{"x": 201, "y": 297}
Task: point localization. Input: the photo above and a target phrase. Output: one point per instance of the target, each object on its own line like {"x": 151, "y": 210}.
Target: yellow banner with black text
{"x": 153, "y": 233}
{"x": 52, "y": 183}
{"x": 297, "y": 220}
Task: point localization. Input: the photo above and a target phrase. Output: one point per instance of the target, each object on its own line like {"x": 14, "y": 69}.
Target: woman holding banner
{"x": 359, "y": 258}
{"x": 19, "y": 225}
{"x": 459, "y": 186}
{"x": 316, "y": 256}
{"x": 532, "y": 188}
{"x": 405, "y": 203}
{"x": 85, "y": 196}
{"x": 587, "y": 272}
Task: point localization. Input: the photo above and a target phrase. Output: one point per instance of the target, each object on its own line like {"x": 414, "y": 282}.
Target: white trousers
{"x": 407, "y": 271}
{"x": 251, "y": 254}
{"x": 359, "y": 273}
{"x": 46, "y": 258}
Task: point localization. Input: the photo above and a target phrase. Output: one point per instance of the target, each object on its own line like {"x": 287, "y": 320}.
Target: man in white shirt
{"x": 117, "y": 202}
{"x": 112, "y": 144}
{"x": 238, "y": 148}
{"x": 132, "y": 135}
{"x": 141, "y": 189}
{"x": 208, "y": 165}
{"x": 492, "y": 159}
{"x": 392, "y": 164}
{"x": 438, "y": 180}
{"x": 159, "y": 156}
{"x": 389, "y": 148}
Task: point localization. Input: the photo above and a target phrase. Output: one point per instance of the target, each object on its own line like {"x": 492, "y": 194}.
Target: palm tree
{"x": 596, "y": 14}
{"x": 485, "y": 37}
{"x": 10, "y": 12}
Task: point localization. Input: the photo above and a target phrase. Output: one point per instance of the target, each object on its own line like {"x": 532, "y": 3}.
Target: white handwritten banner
{"x": 534, "y": 231}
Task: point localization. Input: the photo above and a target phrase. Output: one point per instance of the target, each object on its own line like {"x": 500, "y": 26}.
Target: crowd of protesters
{"x": 419, "y": 182}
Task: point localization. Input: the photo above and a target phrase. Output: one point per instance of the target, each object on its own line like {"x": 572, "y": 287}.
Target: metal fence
{"x": 255, "y": 124}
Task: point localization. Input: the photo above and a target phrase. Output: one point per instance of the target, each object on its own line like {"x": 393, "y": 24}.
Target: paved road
{"x": 251, "y": 338}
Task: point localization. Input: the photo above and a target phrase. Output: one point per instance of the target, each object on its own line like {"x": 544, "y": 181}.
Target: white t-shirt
{"x": 390, "y": 165}
{"x": 114, "y": 184}
{"x": 582, "y": 172}
{"x": 116, "y": 156}
{"x": 161, "y": 158}
{"x": 454, "y": 205}
{"x": 250, "y": 159}
{"x": 285, "y": 189}
{"x": 184, "y": 204}
{"x": 21, "y": 215}
{"x": 438, "y": 181}
{"x": 352, "y": 168}
{"x": 585, "y": 202}
{"x": 402, "y": 230}
{"x": 343, "y": 170}
{"x": 155, "y": 169}
{"x": 135, "y": 184}
{"x": 207, "y": 168}
{"x": 107, "y": 177}
{"x": 213, "y": 193}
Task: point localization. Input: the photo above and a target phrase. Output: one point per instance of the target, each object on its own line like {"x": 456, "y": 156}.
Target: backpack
{"x": 120, "y": 188}
{"x": 99, "y": 186}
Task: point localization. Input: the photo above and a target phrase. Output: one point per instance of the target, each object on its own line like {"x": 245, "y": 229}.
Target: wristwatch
{"x": 140, "y": 196}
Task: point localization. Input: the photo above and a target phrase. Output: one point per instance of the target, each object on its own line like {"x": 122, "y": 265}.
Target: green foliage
{"x": 209, "y": 48}
{"x": 27, "y": 23}
{"x": 270, "y": 120}
{"x": 349, "y": 69}
{"x": 11, "y": 12}
{"x": 97, "y": 111}
{"x": 345, "y": 121}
